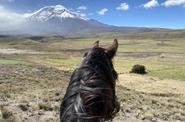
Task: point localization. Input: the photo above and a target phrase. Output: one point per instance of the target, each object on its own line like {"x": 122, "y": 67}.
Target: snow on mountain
{"x": 49, "y": 12}
{"x": 58, "y": 19}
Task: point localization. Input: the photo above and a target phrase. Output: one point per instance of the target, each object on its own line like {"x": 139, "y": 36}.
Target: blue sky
{"x": 142, "y": 13}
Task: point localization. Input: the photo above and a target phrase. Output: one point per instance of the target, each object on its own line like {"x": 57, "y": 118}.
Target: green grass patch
{"x": 157, "y": 68}
{"x": 9, "y": 61}
{"x": 169, "y": 64}
{"x": 68, "y": 63}
{"x": 163, "y": 68}
{"x": 152, "y": 46}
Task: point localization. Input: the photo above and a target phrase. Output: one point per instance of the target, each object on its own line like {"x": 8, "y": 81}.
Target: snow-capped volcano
{"x": 58, "y": 19}
{"x": 49, "y": 12}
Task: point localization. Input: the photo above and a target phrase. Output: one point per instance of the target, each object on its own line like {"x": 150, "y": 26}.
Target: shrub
{"x": 23, "y": 107}
{"x": 138, "y": 69}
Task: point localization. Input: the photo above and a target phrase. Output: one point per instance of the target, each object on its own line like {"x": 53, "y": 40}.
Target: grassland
{"x": 163, "y": 59}
{"x": 34, "y": 83}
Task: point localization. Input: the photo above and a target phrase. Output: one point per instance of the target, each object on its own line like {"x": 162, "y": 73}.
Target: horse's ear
{"x": 111, "y": 51}
{"x": 96, "y": 44}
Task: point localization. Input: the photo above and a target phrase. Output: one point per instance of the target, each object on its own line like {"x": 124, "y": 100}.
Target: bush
{"x": 23, "y": 107}
{"x": 138, "y": 69}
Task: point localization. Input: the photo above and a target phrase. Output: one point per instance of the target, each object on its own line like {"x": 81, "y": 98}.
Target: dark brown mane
{"x": 90, "y": 96}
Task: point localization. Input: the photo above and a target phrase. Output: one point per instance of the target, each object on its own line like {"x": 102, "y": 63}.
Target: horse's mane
{"x": 90, "y": 96}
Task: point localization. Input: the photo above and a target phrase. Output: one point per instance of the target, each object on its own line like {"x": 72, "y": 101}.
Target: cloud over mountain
{"x": 123, "y": 6}
{"x": 82, "y": 8}
{"x": 103, "y": 11}
{"x": 169, "y": 3}
{"x": 151, "y": 4}
{"x": 9, "y": 19}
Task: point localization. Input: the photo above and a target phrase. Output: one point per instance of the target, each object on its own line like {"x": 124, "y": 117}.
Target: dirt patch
{"x": 18, "y": 51}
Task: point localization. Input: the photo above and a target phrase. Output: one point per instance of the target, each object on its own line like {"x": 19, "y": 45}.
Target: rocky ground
{"x": 32, "y": 93}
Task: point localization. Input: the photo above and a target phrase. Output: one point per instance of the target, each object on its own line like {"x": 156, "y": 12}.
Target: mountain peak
{"x": 50, "y": 12}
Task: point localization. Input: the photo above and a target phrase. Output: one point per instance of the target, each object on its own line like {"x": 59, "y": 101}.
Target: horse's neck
{"x": 76, "y": 112}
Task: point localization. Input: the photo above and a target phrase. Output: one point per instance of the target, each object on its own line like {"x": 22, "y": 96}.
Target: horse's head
{"x": 90, "y": 96}
{"x": 100, "y": 59}
{"x": 106, "y": 53}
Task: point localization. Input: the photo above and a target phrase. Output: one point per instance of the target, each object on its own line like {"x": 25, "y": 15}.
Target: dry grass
{"x": 151, "y": 85}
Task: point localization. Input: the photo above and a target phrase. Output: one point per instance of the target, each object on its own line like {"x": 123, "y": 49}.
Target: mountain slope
{"x": 59, "y": 20}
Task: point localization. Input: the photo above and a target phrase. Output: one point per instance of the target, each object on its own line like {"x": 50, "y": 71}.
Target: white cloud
{"x": 169, "y": 3}
{"x": 151, "y": 4}
{"x": 9, "y": 19}
{"x": 123, "y": 6}
{"x": 79, "y": 13}
{"x": 82, "y": 8}
{"x": 103, "y": 11}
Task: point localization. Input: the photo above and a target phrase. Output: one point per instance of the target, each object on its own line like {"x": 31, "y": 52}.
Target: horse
{"x": 90, "y": 95}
